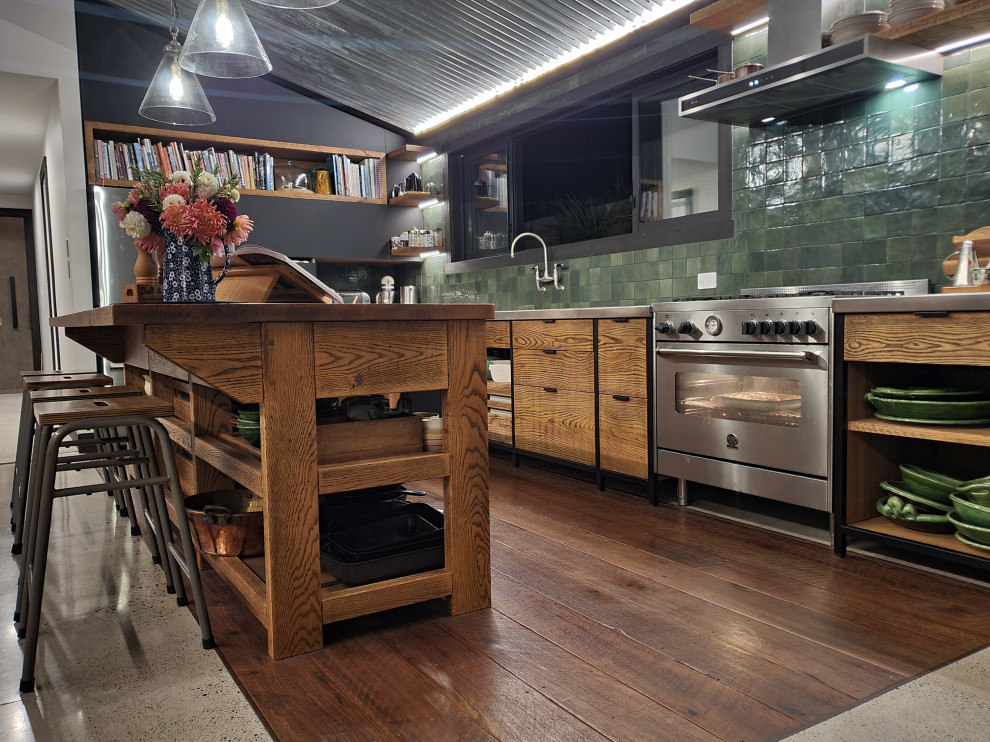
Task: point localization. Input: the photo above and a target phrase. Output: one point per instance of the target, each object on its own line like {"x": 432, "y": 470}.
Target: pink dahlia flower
{"x": 181, "y": 188}
{"x": 206, "y": 222}
{"x": 154, "y": 242}
{"x": 118, "y": 211}
{"x": 239, "y": 230}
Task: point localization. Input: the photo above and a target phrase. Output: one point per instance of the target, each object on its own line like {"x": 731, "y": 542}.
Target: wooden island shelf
{"x": 206, "y": 357}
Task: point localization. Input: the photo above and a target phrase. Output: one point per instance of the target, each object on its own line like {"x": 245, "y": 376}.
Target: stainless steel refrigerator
{"x": 114, "y": 255}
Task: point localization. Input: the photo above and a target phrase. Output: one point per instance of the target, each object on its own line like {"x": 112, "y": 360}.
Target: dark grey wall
{"x": 117, "y": 58}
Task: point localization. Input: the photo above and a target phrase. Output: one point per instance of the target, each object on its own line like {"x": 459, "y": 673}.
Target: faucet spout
{"x": 546, "y": 277}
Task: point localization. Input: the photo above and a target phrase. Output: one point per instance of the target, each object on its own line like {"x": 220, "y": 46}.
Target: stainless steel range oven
{"x": 743, "y": 390}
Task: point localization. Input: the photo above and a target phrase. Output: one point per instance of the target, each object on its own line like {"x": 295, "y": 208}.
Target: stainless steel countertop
{"x": 575, "y": 313}
{"x": 951, "y": 302}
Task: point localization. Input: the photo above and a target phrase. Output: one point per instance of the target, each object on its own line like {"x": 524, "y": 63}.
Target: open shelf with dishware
{"x": 934, "y": 368}
{"x": 305, "y": 156}
{"x": 930, "y": 32}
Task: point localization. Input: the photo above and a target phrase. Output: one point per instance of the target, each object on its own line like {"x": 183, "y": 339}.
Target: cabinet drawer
{"x": 500, "y": 427}
{"x": 564, "y": 334}
{"x": 497, "y": 332}
{"x": 622, "y": 332}
{"x": 559, "y": 424}
{"x": 956, "y": 338}
{"x": 563, "y": 369}
{"x": 623, "y": 435}
{"x": 622, "y": 369}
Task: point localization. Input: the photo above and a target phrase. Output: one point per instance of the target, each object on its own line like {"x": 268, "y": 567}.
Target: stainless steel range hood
{"x": 854, "y": 69}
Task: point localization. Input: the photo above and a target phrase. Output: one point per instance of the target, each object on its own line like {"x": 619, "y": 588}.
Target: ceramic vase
{"x": 184, "y": 277}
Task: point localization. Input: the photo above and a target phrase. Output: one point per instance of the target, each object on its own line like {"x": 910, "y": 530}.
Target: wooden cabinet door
{"x": 957, "y": 338}
{"x": 559, "y": 424}
{"x": 497, "y": 333}
{"x": 623, "y": 435}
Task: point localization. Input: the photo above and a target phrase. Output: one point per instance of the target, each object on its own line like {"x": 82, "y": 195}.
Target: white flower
{"x": 135, "y": 225}
{"x": 181, "y": 176}
{"x": 235, "y": 195}
{"x": 172, "y": 198}
{"x": 206, "y": 185}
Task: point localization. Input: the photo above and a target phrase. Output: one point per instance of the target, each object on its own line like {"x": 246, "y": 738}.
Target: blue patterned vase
{"x": 184, "y": 277}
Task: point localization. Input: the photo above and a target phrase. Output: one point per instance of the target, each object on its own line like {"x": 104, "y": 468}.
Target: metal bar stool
{"x": 71, "y": 389}
{"x": 139, "y": 458}
{"x": 35, "y": 381}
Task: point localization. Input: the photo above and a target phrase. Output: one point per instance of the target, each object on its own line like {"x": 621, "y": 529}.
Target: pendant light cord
{"x": 174, "y": 25}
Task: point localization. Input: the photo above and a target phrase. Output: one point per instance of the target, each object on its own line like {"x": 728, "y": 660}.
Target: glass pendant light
{"x": 175, "y": 95}
{"x": 297, "y": 4}
{"x": 222, "y": 43}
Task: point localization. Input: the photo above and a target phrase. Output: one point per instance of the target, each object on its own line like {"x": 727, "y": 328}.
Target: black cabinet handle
{"x": 550, "y": 389}
{"x": 13, "y": 303}
{"x": 620, "y": 319}
{"x": 931, "y": 314}
{"x": 620, "y": 397}
{"x": 549, "y": 351}
{"x": 549, "y": 321}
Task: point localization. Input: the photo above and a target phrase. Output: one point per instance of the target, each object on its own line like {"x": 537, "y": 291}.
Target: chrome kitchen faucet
{"x": 547, "y": 277}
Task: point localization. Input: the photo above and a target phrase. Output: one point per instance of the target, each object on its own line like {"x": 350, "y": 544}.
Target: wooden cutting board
{"x": 981, "y": 249}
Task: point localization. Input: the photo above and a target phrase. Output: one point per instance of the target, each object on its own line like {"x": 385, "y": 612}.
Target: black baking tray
{"x": 408, "y": 539}
{"x": 358, "y": 506}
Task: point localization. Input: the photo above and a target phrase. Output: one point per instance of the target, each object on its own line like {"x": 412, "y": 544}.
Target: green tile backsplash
{"x": 876, "y": 195}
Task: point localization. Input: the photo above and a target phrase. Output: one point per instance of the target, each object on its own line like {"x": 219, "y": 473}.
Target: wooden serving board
{"x": 981, "y": 249}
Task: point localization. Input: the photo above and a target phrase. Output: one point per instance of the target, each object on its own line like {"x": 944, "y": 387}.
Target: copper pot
{"x": 746, "y": 69}
{"x": 227, "y": 523}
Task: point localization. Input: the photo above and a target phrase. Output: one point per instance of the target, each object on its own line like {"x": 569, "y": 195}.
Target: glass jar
{"x": 291, "y": 176}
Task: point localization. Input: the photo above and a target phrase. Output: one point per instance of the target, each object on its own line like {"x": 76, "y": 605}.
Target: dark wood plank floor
{"x": 615, "y": 620}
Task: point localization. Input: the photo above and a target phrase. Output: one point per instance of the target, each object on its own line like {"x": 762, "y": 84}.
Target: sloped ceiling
{"x": 404, "y": 62}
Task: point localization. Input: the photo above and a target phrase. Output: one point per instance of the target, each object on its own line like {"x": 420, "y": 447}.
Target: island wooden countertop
{"x": 223, "y": 313}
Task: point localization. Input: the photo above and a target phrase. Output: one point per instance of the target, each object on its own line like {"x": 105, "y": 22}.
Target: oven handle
{"x": 796, "y": 355}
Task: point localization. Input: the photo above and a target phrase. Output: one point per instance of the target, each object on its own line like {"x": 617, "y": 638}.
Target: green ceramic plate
{"x": 927, "y": 409}
{"x": 973, "y": 533}
{"x": 928, "y": 483}
{"x": 930, "y": 523}
{"x": 971, "y": 542}
{"x": 928, "y": 394}
{"x": 977, "y": 515}
{"x": 899, "y": 489}
{"x": 931, "y": 421}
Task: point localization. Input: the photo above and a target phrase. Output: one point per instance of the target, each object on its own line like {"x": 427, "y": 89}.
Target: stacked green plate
{"x": 931, "y": 484}
{"x": 930, "y": 406}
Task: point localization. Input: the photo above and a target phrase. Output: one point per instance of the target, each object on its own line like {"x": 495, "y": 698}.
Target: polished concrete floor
{"x": 118, "y": 660}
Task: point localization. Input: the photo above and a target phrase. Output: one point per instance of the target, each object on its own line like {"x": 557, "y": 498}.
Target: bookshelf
{"x": 306, "y": 156}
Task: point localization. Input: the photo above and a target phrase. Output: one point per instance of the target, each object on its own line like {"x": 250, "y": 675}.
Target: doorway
{"x": 19, "y": 336}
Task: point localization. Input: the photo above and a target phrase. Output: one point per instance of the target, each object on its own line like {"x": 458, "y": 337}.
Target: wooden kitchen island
{"x": 203, "y": 357}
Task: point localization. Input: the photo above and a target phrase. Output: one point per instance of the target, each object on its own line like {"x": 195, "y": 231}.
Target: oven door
{"x": 761, "y": 405}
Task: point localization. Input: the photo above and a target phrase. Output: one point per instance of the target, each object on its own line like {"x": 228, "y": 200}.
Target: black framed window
{"x": 622, "y": 171}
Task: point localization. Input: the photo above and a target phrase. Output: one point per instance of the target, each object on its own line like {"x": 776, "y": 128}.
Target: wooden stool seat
{"x": 65, "y": 381}
{"x": 91, "y": 392}
{"x": 50, "y": 372}
{"x": 66, "y": 411}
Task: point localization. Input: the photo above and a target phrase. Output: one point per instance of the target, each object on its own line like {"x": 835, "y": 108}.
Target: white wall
{"x": 37, "y": 37}
{"x": 14, "y": 201}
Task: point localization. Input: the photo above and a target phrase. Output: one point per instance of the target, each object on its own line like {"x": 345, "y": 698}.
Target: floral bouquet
{"x": 195, "y": 206}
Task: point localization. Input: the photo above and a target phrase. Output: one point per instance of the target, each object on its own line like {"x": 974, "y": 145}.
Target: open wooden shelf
{"x": 180, "y": 432}
{"x": 412, "y": 198}
{"x": 303, "y": 154}
{"x": 941, "y": 540}
{"x": 944, "y": 26}
{"x": 972, "y": 436}
{"x": 726, "y": 15}
{"x": 409, "y": 152}
{"x": 235, "y": 457}
{"x": 930, "y": 31}
{"x": 500, "y": 388}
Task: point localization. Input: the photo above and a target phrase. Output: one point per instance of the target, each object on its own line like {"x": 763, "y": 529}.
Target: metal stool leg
{"x": 25, "y": 432}
{"x": 157, "y": 519}
{"x": 28, "y": 530}
{"x": 188, "y": 562}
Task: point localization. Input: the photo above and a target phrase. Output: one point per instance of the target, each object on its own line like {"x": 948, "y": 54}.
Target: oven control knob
{"x": 765, "y": 328}
{"x": 686, "y": 328}
{"x": 748, "y": 327}
{"x": 793, "y": 328}
{"x": 779, "y": 328}
{"x": 809, "y": 328}
{"x": 665, "y": 328}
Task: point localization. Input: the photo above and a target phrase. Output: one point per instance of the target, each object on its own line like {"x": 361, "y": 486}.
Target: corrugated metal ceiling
{"x": 405, "y": 62}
